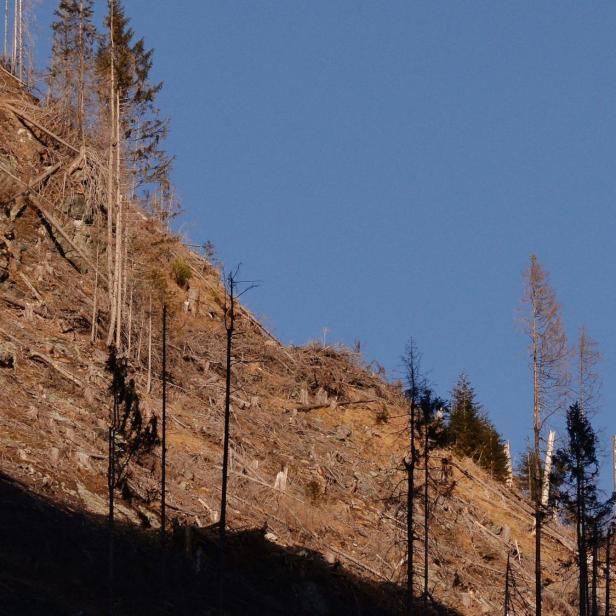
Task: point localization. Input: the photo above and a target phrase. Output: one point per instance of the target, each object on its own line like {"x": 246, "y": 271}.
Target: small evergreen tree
{"x": 134, "y": 436}
{"x": 472, "y": 434}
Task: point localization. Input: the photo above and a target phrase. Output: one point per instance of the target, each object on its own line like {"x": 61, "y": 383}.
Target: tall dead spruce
{"x": 549, "y": 355}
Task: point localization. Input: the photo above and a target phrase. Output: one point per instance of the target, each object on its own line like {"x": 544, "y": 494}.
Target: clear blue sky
{"x": 386, "y": 168}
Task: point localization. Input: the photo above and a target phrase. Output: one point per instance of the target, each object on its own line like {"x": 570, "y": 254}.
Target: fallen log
{"x": 34, "y": 183}
{"x": 16, "y": 303}
{"x": 35, "y": 356}
{"x": 305, "y": 408}
{"x": 54, "y": 223}
{"x": 34, "y": 123}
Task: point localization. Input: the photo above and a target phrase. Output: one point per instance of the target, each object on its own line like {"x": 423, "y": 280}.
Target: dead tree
{"x": 163, "y": 473}
{"x": 507, "y": 605}
{"x": 231, "y": 297}
{"x": 594, "y": 609}
{"x": 549, "y": 353}
{"x": 111, "y": 167}
{"x": 415, "y": 386}
{"x": 5, "y": 47}
{"x": 589, "y": 383}
{"x": 608, "y": 541}
{"x": 430, "y": 424}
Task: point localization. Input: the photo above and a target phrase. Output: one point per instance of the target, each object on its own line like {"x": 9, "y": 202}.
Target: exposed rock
{"x": 8, "y": 355}
{"x": 77, "y": 207}
{"x": 343, "y": 432}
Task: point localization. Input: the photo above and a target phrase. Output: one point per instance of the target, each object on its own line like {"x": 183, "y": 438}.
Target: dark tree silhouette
{"x": 231, "y": 297}
{"x": 416, "y": 385}
{"x": 472, "y": 434}
{"x": 576, "y": 467}
{"x": 432, "y": 429}
{"x": 128, "y": 437}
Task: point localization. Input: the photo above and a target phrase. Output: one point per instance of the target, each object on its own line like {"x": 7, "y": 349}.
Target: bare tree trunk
{"x": 507, "y": 594}
{"x": 230, "y": 327}
{"x": 608, "y": 564}
{"x": 14, "y": 58}
{"x": 118, "y": 278}
{"x": 410, "y": 539}
{"x": 537, "y": 436}
{"x": 547, "y": 470}
{"x": 110, "y": 178}
{"x": 426, "y": 460}
{"x": 149, "y": 384}
{"x": 5, "y": 48}
{"x": 111, "y": 484}
{"x": 509, "y": 479}
{"x": 119, "y": 235}
{"x": 415, "y": 383}
{"x": 549, "y": 352}
{"x": 95, "y": 306}
{"x": 163, "y": 514}
{"x": 140, "y": 339}
{"x": 20, "y": 40}
{"x": 130, "y": 322}
{"x": 595, "y": 571}
{"x": 81, "y": 86}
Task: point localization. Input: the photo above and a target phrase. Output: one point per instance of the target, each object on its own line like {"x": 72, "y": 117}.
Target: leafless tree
{"x": 415, "y": 384}
{"x": 549, "y": 355}
{"x": 231, "y": 297}
{"x": 588, "y": 380}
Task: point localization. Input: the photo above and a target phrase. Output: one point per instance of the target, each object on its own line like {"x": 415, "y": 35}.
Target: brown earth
{"x": 331, "y": 543}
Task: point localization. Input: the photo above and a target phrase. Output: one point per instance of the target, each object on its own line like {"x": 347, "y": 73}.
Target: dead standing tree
{"x": 432, "y": 409}
{"x": 549, "y": 355}
{"x": 415, "y": 386}
{"x": 163, "y": 472}
{"x": 589, "y": 383}
{"x": 231, "y": 297}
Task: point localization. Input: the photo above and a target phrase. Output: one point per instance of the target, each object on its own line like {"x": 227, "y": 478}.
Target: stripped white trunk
{"x": 545, "y": 492}
{"x": 110, "y": 180}
{"x": 95, "y": 306}
{"x": 509, "y": 480}
{"x": 149, "y": 385}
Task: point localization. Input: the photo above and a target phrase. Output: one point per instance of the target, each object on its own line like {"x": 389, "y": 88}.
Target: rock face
{"x": 8, "y": 355}
{"x": 5, "y": 259}
{"x": 77, "y": 208}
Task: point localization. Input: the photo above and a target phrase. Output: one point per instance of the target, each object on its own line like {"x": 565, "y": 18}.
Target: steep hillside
{"x": 330, "y": 542}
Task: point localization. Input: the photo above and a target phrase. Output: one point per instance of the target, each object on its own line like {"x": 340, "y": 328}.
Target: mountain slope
{"x": 331, "y": 542}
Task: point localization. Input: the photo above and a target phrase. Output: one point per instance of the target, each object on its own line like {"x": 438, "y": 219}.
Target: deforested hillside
{"x": 317, "y": 485}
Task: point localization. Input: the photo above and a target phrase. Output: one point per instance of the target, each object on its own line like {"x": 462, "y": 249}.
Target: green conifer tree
{"x": 143, "y": 129}
{"x": 576, "y": 468}
{"x": 472, "y": 434}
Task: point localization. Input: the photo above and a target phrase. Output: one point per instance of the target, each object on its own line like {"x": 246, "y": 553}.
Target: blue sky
{"x": 386, "y": 168}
